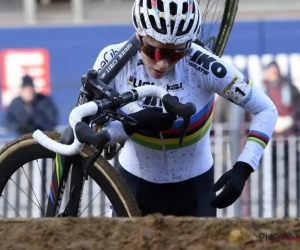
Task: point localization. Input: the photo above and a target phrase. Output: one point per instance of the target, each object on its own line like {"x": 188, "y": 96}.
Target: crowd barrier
{"x": 271, "y": 191}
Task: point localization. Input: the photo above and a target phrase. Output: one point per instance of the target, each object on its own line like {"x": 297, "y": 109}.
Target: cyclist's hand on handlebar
{"x": 150, "y": 120}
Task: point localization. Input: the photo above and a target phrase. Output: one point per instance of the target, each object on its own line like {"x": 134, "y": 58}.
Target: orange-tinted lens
{"x": 158, "y": 54}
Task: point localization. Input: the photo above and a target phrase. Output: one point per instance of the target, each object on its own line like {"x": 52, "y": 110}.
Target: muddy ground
{"x": 153, "y": 232}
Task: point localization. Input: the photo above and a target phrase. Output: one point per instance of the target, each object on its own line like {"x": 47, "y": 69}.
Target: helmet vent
{"x": 173, "y": 8}
{"x": 135, "y": 22}
{"x": 149, "y": 4}
{"x": 163, "y": 29}
{"x": 143, "y": 21}
{"x": 184, "y": 8}
{"x": 172, "y": 26}
{"x": 181, "y": 32}
{"x": 160, "y": 6}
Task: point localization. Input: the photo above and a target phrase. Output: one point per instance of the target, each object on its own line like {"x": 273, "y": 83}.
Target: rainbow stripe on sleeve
{"x": 199, "y": 126}
{"x": 258, "y": 137}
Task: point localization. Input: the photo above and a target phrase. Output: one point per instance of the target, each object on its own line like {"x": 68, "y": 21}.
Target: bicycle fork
{"x": 62, "y": 167}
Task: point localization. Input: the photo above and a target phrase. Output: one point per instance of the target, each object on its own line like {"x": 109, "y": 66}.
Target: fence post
{"x": 77, "y": 10}
{"x": 292, "y": 174}
{"x": 29, "y": 11}
{"x": 267, "y": 183}
{"x": 236, "y": 119}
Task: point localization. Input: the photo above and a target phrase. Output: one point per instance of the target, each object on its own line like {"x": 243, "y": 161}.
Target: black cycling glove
{"x": 234, "y": 181}
{"x": 150, "y": 120}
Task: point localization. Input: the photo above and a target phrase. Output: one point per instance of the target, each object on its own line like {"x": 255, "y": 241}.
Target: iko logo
{"x": 203, "y": 62}
{"x": 174, "y": 87}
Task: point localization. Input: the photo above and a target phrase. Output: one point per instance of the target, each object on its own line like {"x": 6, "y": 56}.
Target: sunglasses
{"x": 157, "y": 54}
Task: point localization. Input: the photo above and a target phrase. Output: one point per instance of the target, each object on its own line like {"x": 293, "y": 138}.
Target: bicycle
{"x": 25, "y": 149}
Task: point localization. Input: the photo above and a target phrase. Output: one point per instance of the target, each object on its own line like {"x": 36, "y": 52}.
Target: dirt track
{"x": 153, "y": 232}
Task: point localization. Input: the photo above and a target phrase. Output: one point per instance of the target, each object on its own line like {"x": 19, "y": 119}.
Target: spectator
{"x": 221, "y": 108}
{"x": 286, "y": 97}
{"x": 30, "y": 110}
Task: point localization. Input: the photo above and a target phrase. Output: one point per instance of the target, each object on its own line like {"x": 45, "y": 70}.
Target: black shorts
{"x": 186, "y": 198}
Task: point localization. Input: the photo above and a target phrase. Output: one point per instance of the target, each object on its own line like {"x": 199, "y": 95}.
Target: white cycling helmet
{"x": 167, "y": 21}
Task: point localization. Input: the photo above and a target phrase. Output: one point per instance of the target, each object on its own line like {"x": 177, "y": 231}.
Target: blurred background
{"x": 56, "y": 41}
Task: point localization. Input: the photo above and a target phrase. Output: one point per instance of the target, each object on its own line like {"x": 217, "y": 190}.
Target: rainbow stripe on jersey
{"x": 258, "y": 137}
{"x": 199, "y": 126}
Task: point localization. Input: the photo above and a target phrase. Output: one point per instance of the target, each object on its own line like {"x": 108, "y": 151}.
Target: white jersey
{"x": 195, "y": 78}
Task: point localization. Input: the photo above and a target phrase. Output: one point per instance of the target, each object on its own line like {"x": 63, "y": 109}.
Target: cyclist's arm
{"x": 237, "y": 88}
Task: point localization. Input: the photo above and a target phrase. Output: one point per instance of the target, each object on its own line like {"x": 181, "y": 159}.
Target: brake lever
{"x": 183, "y": 129}
{"x": 90, "y": 162}
{"x": 185, "y": 111}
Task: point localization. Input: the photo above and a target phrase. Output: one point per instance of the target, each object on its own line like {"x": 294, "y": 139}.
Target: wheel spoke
{"x": 30, "y": 184}
{"x": 216, "y": 17}
{"x": 7, "y": 202}
{"x": 43, "y": 180}
{"x": 25, "y": 193}
{"x": 90, "y": 203}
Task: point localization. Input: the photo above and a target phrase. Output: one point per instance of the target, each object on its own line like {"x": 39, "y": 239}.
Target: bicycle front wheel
{"x": 217, "y": 20}
{"x": 22, "y": 195}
